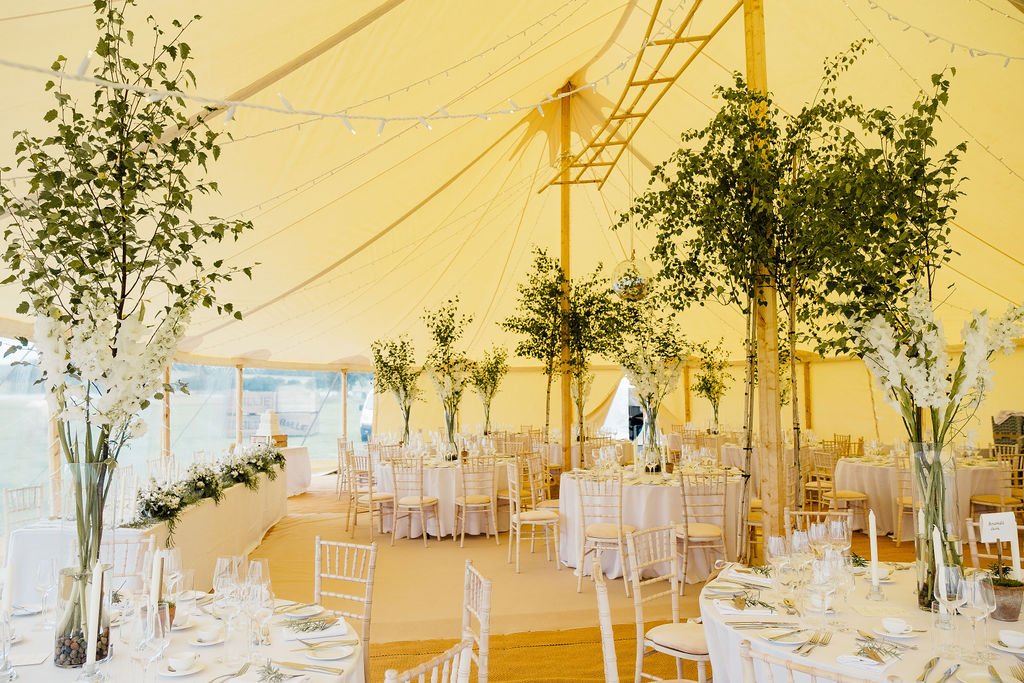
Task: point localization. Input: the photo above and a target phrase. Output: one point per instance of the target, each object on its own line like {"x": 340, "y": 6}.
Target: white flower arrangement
{"x": 915, "y": 370}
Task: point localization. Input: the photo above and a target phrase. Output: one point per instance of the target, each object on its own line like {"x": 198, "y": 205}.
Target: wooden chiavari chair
{"x": 601, "y": 526}
{"x": 478, "y": 497}
{"x": 343, "y": 573}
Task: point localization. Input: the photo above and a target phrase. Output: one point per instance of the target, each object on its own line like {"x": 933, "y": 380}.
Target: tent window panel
{"x": 25, "y": 419}
{"x": 204, "y": 418}
{"x": 360, "y": 406}
{"x": 307, "y": 403}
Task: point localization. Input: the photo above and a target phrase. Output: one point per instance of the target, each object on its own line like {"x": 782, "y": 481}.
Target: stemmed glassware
{"x": 160, "y": 635}
{"x": 46, "y": 581}
{"x": 948, "y": 592}
{"x": 840, "y": 535}
{"x": 979, "y": 601}
{"x": 819, "y": 539}
{"x": 777, "y": 551}
{"x": 138, "y": 631}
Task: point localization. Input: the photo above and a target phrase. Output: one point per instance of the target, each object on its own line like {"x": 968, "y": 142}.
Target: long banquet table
{"x": 36, "y": 646}
{"x": 204, "y": 532}
{"x": 649, "y": 501}
{"x": 901, "y": 601}
{"x": 876, "y": 476}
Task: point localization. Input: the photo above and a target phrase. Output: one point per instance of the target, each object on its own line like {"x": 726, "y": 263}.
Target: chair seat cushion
{"x": 536, "y": 516}
{"x": 1017, "y": 493}
{"x": 699, "y": 530}
{"x": 549, "y": 504}
{"x": 905, "y": 501}
{"x": 503, "y": 493}
{"x": 755, "y": 504}
{"x": 847, "y": 494}
{"x": 473, "y": 499}
{"x": 995, "y": 499}
{"x": 417, "y": 500}
{"x": 378, "y": 495}
{"x": 608, "y": 530}
{"x": 818, "y": 485}
{"x": 683, "y": 637}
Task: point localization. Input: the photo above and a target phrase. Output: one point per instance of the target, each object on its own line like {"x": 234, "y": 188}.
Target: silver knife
{"x": 994, "y": 674}
{"x": 949, "y": 673}
{"x": 927, "y": 669}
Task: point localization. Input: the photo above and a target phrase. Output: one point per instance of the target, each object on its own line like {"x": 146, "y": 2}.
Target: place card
{"x": 1000, "y": 527}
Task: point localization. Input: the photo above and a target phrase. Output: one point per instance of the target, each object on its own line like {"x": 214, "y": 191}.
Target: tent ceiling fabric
{"x": 357, "y": 234}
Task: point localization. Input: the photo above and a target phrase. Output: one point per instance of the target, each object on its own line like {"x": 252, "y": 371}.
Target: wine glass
{"x": 819, "y": 538}
{"x": 840, "y": 535}
{"x": 259, "y": 572}
{"x": 776, "y": 551}
{"x": 979, "y": 601}
{"x": 845, "y": 581}
{"x": 139, "y": 631}
{"x": 160, "y": 638}
{"x": 46, "y": 579}
{"x": 948, "y": 592}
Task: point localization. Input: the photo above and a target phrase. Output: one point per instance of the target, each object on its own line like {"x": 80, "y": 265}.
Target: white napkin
{"x": 337, "y": 631}
{"x": 731, "y": 574}
{"x": 863, "y": 662}
{"x": 726, "y": 607}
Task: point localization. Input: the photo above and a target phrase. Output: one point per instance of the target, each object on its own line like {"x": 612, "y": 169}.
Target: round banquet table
{"x": 650, "y": 501}
{"x": 441, "y": 479}
{"x": 876, "y": 476}
{"x": 901, "y": 601}
{"x": 32, "y": 655}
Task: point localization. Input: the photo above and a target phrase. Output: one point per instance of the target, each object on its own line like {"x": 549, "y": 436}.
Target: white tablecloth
{"x": 645, "y": 504}
{"x": 298, "y": 469}
{"x": 120, "y": 667}
{"x": 901, "y": 601}
{"x": 204, "y": 532}
{"x": 878, "y": 481}
{"x": 442, "y": 481}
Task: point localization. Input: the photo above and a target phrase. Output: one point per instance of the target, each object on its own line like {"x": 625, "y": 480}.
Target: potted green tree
{"x": 1009, "y": 592}
{"x": 448, "y": 366}
{"x": 486, "y": 377}
{"x": 712, "y": 377}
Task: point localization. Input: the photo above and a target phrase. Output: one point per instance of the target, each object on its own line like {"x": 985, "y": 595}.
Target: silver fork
{"x": 811, "y": 642}
{"x": 824, "y": 638}
{"x": 228, "y": 677}
{"x": 1018, "y": 672}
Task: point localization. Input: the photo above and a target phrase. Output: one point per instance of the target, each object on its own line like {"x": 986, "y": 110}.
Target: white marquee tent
{"x": 357, "y": 234}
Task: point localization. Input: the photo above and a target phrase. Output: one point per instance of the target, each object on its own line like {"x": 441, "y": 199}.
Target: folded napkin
{"x": 725, "y": 607}
{"x": 863, "y": 662}
{"x": 732, "y": 574}
{"x": 339, "y": 630}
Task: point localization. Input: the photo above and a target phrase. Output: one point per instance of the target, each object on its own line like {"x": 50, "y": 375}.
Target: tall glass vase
{"x": 936, "y": 506}
{"x": 450, "y": 413}
{"x": 651, "y": 454}
{"x": 85, "y": 507}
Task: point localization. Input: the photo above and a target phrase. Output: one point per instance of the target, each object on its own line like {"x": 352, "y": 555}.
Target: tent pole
{"x": 566, "y": 156}
{"x": 344, "y": 407}
{"x": 165, "y": 435}
{"x": 773, "y": 471}
{"x": 55, "y": 464}
{"x": 687, "y": 400}
{"x": 238, "y": 405}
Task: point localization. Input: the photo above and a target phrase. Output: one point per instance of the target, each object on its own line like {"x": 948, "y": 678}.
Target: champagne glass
{"x": 979, "y": 601}
{"x": 46, "y": 580}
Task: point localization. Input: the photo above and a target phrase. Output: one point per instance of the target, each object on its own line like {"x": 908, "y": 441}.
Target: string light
{"x": 953, "y": 45}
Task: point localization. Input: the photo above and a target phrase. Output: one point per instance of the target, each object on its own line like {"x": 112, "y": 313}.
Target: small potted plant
{"x": 1009, "y": 593}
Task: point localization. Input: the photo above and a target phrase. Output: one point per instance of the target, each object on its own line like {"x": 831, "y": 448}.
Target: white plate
{"x": 998, "y": 645}
{"x": 305, "y": 612}
{"x": 165, "y": 670}
{"x": 193, "y": 595}
{"x": 798, "y": 638}
{"x": 179, "y": 625}
{"x": 206, "y": 643}
{"x": 330, "y": 654}
{"x": 867, "y": 577}
{"x": 26, "y": 610}
{"x": 859, "y": 570}
{"x": 909, "y": 633}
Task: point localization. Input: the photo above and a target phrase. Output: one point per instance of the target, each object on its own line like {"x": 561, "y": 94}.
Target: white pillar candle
{"x": 8, "y": 589}
{"x": 156, "y": 582}
{"x": 939, "y": 558}
{"x": 93, "y": 614}
{"x": 874, "y": 548}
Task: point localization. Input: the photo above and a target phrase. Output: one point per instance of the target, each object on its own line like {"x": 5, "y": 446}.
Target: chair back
{"x": 343, "y": 573}
{"x": 476, "y": 476}
{"x": 125, "y": 490}
{"x": 407, "y": 475}
{"x": 1010, "y": 469}
{"x": 777, "y": 669}
{"x": 600, "y": 498}
{"x": 842, "y": 444}
{"x": 22, "y": 505}
{"x": 653, "y": 554}
{"x": 163, "y": 469}
{"x": 449, "y": 667}
{"x": 129, "y": 557}
{"x": 801, "y": 520}
{"x": 604, "y": 616}
{"x": 703, "y": 497}
{"x": 359, "y": 471}
{"x": 535, "y": 478}
{"x": 824, "y": 460}
{"x": 476, "y": 617}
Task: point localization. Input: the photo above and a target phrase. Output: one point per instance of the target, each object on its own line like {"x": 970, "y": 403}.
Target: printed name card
{"x": 1001, "y": 527}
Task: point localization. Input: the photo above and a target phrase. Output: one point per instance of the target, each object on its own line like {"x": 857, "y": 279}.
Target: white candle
{"x": 93, "y": 614}
{"x": 874, "y": 548}
{"x": 8, "y": 589}
{"x": 156, "y": 582}
{"x": 939, "y": 559}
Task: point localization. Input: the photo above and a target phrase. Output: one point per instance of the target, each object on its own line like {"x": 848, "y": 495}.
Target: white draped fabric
{"x": 298, "y": 469}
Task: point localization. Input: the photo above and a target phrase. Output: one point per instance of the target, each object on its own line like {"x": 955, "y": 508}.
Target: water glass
{"x": 46, "y": 581}
{"x": 979, "y": 601}
{"x": 949, "y": 592}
